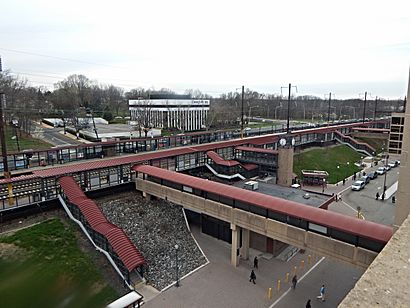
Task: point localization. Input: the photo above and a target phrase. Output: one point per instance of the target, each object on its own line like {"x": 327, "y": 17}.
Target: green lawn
{"x": 328, "y": 159}
{"x": 26, "y": 142}
{"x": 42, "y": 266}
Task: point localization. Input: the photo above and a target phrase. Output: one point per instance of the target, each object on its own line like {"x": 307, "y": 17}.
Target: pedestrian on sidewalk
{"x": 255, "y": 262}
{"x": 322, "y": 293}
{"x": 377, "y": 196}
{"x": 344, "y": 182}
{"x": 252, "y": 277}
{"x": 308, "y": 304}
{"x": 294, "y": 281}
{"x": 354, "y": 176}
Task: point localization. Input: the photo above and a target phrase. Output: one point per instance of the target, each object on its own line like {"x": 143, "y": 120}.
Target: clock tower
{"x": 284, "y": 172}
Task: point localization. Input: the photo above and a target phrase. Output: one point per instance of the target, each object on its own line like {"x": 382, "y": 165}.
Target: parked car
{"x": 381, "y": 170}
{"x": 358, "y": 185}
{"x": 397, "y": 162}
{"x": 372, "y": 175}
{"x": 365, "y": 179}
{"x": 387, "y": 167}
{"x": 392, "y": 164}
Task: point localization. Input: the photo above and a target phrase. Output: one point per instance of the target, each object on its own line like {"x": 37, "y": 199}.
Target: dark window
{"x": 277, "y": 216}
{"x": 258, "y": 210}
{"x": 370, "y": 244}
{"x": 226, "y": 200}
{"x": 241, "y": 205}
{"x": 343, "y": 236}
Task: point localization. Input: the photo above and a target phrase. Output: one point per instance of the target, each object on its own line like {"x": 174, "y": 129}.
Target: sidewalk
{"x": 219, "y": 284}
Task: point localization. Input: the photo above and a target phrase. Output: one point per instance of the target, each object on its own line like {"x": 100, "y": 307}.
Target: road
{"x": 53, "y": 136}
{"x": 372, "y": 209}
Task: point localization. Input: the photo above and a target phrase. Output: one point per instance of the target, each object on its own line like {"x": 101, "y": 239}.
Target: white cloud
{"x": 218, "y": 43}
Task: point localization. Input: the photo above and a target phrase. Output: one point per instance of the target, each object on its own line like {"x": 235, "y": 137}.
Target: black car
{"x": 372, "y": 175}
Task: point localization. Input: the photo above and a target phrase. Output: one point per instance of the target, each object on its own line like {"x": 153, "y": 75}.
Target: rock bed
{"x": 155, "y": 227}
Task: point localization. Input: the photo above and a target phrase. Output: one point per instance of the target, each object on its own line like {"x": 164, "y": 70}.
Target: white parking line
{"x": 286, "y": 293}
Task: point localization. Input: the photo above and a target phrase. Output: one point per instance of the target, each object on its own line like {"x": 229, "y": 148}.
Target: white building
{"x": 180, "y": 113}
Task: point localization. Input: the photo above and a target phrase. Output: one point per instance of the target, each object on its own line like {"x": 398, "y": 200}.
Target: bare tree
{"x": 141, "y": 116}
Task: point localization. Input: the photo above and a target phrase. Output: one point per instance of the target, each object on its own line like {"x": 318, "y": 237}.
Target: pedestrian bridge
{"x": 325, "y": 233}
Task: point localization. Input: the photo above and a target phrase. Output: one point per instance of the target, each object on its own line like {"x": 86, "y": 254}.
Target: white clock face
{"x": 282, "y": 142}
{"x": 293, "y": 141}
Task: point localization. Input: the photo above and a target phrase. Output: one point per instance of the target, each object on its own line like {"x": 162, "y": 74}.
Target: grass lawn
{"x": 328, "y": 159}
{"x": 26, "y": 142}
{"x": 42, "y": 266}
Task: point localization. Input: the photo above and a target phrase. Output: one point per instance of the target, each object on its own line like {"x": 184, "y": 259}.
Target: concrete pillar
{"x": 234, "y": 246}
{"x": 245, "y": 243}
{"x": 285, "y": 166}
{"x": 146, "y": 196}
{"x": 402, "y": 208}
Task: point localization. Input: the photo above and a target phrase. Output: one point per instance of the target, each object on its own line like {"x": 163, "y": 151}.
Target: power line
{"x": 60, "y": 58}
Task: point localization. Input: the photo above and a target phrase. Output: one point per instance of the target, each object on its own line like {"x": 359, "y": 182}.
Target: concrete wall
{"x": 403, "y": 189}
{"x": 317, "y": 243}
{"x": 386, "y": 281}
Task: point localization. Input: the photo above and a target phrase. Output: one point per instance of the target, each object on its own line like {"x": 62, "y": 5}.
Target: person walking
{"x": 322, "y": 293}
{"x": 308, "y": 304}
{"x": 294, "y": 281}
{"x": 255, "y": 262}
{"x": 252, "y": 277}
{"x": 377, "y": 196}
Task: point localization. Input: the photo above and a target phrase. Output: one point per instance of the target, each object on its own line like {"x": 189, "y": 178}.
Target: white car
{"x": 392, "y": 165}
{"x": 358, "y": 185}
{"x": 381, "y": 170}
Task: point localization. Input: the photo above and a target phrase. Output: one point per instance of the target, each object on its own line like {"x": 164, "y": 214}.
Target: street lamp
{"x": 337, "y": 176}
{"x": 385, "y": 177}
{"x": 176, "y": 263}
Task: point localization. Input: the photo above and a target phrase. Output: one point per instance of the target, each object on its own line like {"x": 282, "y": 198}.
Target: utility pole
{"x": 288, "y": 113}
{"x": 328, "y": 111}
{"x": 364, "y": 106}
{"x": 2, "y": 134}
{"x": 288, "y": 116}
{"x": 243, "y": 94}
{"x": 3, "y": 140}
{"x": 375, "y": 109}
{"x": 6, "y": 171}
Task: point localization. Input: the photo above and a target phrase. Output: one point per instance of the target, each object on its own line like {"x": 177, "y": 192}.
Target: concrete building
{"x": 170, "y": 111}
{"x": 385, "y": 283}
{"x": 396, "y": 133}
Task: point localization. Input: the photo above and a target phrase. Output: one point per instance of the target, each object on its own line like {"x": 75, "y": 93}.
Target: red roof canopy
{"x": 220, "y": 161}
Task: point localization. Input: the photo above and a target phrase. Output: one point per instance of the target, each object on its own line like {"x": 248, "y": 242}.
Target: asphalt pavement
{"x": 56, "y": 137}
{"x": 380, "y": 211}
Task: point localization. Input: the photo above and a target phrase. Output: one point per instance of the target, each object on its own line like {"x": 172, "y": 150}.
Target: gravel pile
{"x": 155, "y": 227}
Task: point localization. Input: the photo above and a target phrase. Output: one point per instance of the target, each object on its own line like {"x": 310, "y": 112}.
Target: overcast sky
{"x": 344, "y": 47}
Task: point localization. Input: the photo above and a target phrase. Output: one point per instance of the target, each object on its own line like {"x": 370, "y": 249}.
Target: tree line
{"x": 77, "y": 96}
